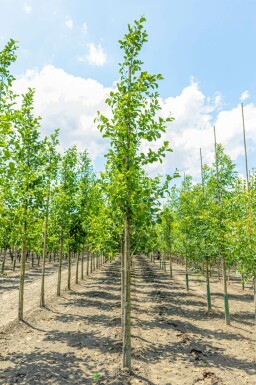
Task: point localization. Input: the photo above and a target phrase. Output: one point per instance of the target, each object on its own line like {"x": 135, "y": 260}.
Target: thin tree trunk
{"x": 208, "y": 291}
{"x": 170, "y": 258}
{"x": 3, "y": 262}
{"x": 69, "y": 268}
{"x": 218, "y": 271}
{"x": 127, "y": 298}
{"x": 60, "y": 264}
{"x": 23, "y": 265}
{"x": 226, "y": 304}
{"x": 187, "y": 280}
{"x": 77, "y": 265}
{"x": 242, "y": 281}
{"x": 42, "y": 297}
{"x": 88, "y": 263}
{"x": 82, "y": 265}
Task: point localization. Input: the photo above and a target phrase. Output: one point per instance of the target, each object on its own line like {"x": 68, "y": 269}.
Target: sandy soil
{"x": 9, "y": 290}
{"x": 77, "y": 338}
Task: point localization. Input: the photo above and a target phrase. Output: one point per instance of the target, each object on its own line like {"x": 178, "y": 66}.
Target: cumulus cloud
{"x": 192, "y": 129}
{"x": 71, "y": 103}
{"x": 96, "y": 55}
{"x": 69, "y": 22}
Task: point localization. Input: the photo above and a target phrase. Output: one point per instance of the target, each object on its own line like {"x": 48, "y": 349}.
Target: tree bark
{"x": 127, "y": 298}
{"x": 23, "y": 264}
{"x": 60, "y": 264}
{"x": 69, "y": 268}
{"x": 42, "y": 297}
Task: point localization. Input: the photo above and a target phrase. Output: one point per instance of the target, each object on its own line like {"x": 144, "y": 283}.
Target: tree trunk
{"x": 60, "y": 264}
{"x": 170, "y": 257}
{"x": 242, "y": 281}
{"x": 23, "y": 264}
{"x": 187, "y": 280}
{"x": 3, "y": 262}
{"x": 77, "y": 265}
{"x": 87, "y": 263}
{"x": 69, "y": 268}
{"x": 226, "y": 304}
{"x": 42, "y": 297}
{"x": 208, "y": 292}
{"x": 82, "y": 265}
{"x": 127, "y": 298}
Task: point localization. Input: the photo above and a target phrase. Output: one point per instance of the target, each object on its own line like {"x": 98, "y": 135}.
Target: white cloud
{"x": 245, "y": 95}
{"x": 69, "y": 22}
{"x": 193, "y": 128}
{"x": 229, "y": 128}
{"x": 96, "y": 55}
{"x": 71, "y": 103}
{"x": 27, "y": 8}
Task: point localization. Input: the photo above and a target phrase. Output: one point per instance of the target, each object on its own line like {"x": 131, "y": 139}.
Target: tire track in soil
{"x": 75, "y": 340}
{"x": 9, "y": 299}
{"x": 78, "y": 337}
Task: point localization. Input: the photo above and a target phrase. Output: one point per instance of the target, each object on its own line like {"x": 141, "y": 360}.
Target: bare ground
{"x": 77, "y": 338}
{"x": 9, "y": 294}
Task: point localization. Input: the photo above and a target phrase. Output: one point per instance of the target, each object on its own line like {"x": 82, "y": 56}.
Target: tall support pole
{"x": 208, "y": 291}
{"x": 226, "y": 304}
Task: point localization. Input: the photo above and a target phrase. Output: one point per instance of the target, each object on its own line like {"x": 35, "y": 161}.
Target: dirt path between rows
{"x": 241, "y": 303}
{"x": 77, "y": 338}
{"x": 9, "y": 291}
{"x": 176, "y": 341}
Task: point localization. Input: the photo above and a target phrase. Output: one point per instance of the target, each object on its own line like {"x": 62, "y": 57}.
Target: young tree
{"x": 25, "y": 147}
{"x": 66, "y": 209}
{"x": 50, "y": 161}
{"x": 134, "y": 105}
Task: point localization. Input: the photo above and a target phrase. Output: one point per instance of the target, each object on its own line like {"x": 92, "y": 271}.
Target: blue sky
{"x": 204, "y": 47}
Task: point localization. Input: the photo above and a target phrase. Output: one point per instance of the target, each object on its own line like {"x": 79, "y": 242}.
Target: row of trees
{"x": 49, "y": 203}
{"x": 212, "y": 223}
{"x": 133, "y": 195}
{"x": 52, "y": 203}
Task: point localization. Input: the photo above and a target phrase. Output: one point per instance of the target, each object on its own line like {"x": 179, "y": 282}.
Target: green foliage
{"x": 213, "y": 220}
{"x": 135, "y": 106}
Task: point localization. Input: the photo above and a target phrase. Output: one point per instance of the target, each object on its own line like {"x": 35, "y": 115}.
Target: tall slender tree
{"x": 134, "y": 105}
